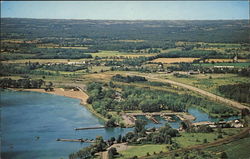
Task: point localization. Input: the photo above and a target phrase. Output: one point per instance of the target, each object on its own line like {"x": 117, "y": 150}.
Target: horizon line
{"x": 123, "y": 19}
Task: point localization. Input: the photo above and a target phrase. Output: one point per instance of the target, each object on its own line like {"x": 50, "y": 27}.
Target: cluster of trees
{"x": 64, "y": 67}
{"x": 48, "y": 53}
{"x": 153, "y": 83}
{"x": 102, "y": 100}
{"x": 11, "y": 69}
{"x": 59, "y": 53}
{"x": 104, "y": 97}
{"x": 128, "y": 79}
{"x": 189, "y": 66}
{"x": 21, "y": 83}
{"x": 193, "y": 53}
{"x": 152, "y": 136}
{"x": 178, "y": 75}
{"x": 89, "y": 152}
{"x": 239, "y": 92}
{"x": 187, "y": 126}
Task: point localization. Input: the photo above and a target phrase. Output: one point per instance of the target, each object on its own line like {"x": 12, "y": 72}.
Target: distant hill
{"x": 230, "y": 31}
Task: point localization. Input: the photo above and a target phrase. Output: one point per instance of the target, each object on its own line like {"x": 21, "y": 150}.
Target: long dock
{"x": 154, "y": 120}
{"x": 76, "y": 140}
{"x": 151, "y": 117}
{"x": 87, "y": 128}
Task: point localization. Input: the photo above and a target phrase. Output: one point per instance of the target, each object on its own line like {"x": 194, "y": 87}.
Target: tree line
{"x": 239, "y": 92}
{"x": 21, "y": 83}
{"x": 128, "y": 79}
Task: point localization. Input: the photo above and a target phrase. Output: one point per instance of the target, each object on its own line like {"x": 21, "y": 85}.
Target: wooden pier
{"x": 154, "y": 120}
{"x": 87, "y": 128}
{"x": 151, "y": 117}
{"x": 76, "y": 140}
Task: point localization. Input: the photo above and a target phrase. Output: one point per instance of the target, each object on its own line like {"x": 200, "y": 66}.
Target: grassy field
{"x": 186, "y": 140}
{"x": 143, "y": 150}
{"x": 210, "y": 82}
{"x": 190, "y": 139}
{"x": 237, "y": 149}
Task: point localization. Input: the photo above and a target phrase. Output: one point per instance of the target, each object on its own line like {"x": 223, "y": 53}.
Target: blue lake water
{"x": 28, "y": 115}
{"x": 31, "y": 122}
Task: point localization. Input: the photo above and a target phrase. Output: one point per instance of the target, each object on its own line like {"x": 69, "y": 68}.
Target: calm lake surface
{"x": 28, "y": 115}
{"x": 31, "y": 122}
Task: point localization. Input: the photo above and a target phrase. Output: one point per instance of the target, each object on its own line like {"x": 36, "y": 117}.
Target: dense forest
{"x": 104, "y": 30}
{"x": 239, "y": 92}
{"x": 47, "y": 53}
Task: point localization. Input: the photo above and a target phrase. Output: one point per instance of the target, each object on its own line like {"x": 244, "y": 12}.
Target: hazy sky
{"x": 131, "y": 10}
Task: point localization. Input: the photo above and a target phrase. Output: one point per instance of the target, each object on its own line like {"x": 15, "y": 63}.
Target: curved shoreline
{"x": 82, "y": 96}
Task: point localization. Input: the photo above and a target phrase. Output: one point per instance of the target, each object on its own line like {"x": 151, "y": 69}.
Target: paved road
{"x": 203, "y": 92}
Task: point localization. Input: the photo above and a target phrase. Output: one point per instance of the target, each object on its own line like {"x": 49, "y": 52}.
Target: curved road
{"x": 200, "y": 91}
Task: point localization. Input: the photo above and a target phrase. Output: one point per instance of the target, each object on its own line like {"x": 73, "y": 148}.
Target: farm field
{"x": 190, "y": 139}
{"x": 174, "y": 60}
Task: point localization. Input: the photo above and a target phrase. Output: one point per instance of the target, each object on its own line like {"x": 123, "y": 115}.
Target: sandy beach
{"x": 67, "y": 93}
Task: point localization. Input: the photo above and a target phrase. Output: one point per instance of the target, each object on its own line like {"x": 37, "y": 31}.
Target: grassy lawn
{"x": 143, "y": 150}
{"x": 190, "y": 139}
{"x": 99, "y": 68}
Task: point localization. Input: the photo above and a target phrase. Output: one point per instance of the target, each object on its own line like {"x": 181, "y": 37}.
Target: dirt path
{"x": 200, "y": 91}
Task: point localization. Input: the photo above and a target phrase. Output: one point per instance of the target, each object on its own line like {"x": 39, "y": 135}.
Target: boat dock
{"x": 76, "y": 140}
{"x": 87, "y": 128}
{"x": 151, "y": 117}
